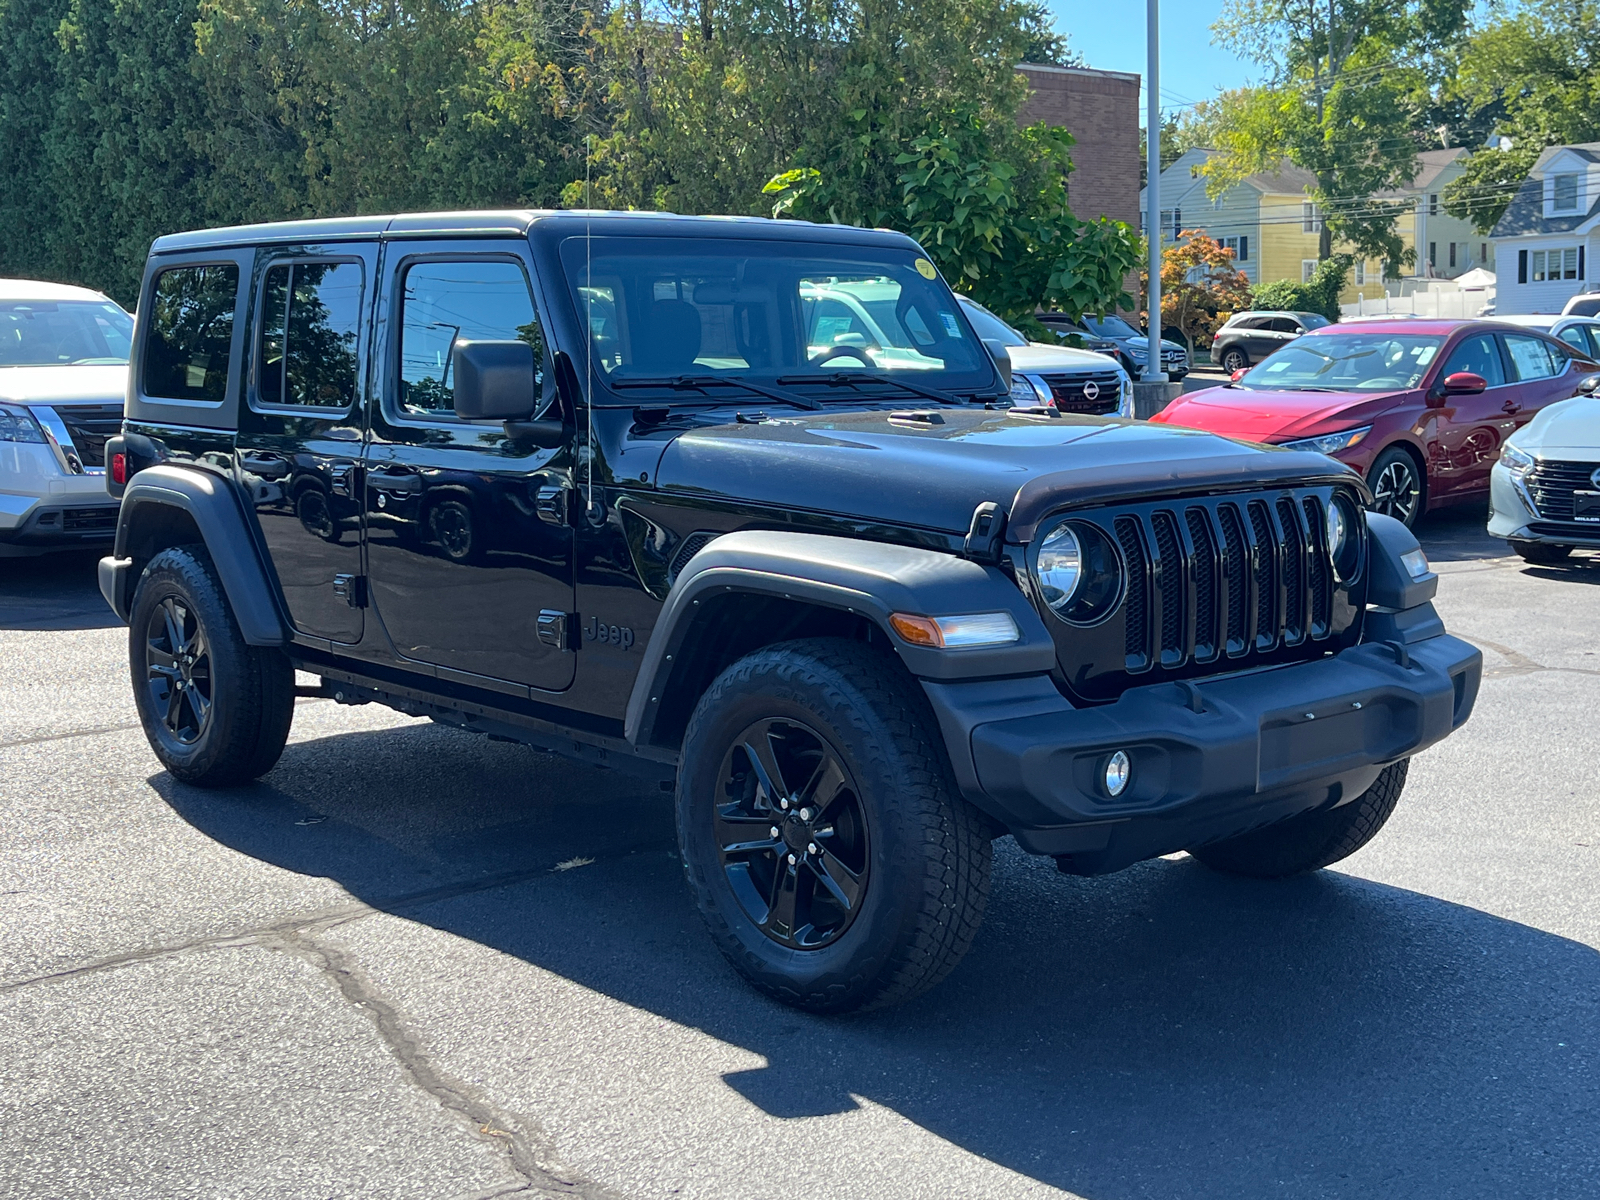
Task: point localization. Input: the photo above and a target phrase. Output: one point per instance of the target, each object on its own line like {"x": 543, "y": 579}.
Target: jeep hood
{"x": 1259, "y": 416}
{"x": 876, "y": 468}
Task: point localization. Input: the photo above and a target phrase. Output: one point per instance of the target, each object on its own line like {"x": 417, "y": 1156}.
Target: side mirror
{"x": 1588, "y": 385}
{"x": 1002, "y": 358}
{"x": 1464, "y": 383}
{"x": 494, "y": 381}
{"x": 1238, "y": 375}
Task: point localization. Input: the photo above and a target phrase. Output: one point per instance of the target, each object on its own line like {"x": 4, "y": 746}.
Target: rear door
{"x": 300, "y": 427}
{"x": 1544, "y": 373}
{"x": 469, "y": 547}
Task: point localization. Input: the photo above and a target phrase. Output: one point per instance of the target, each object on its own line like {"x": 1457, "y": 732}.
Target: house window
{"x": 1433, "y": 204}
{"x": 1433, "y": 254}
{"x": 1308, "y": 268}
{"x": 1452, "y": 256}
{"x": 1483, "y": 252}
{"x": 1546, "y": 265}
{"x": 1361, "y": 272}
{"x": 1239, "y": 245}
{"x": 1308, "y": 218}
{"x": 1177, "y": 223}
{"x": 1564, "y": 193}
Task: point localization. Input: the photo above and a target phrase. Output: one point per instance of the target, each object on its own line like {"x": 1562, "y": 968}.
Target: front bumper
{"x": 1512, "y": 516}
{"x": 1211, "y": 760}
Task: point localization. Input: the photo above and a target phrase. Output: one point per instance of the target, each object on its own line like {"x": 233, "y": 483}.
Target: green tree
{"x": 1319, "y": 294}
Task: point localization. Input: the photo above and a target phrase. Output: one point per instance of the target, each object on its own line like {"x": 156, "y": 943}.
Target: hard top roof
{"x": 518, "y": 222}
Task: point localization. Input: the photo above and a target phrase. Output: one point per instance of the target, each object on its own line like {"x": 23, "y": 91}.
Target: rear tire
{"x": 1542, "y": 553}
{"x": 1234, "y": 360}
{"x": 875, "y": 885}
{"x": 1313, "y": 840}
{"x": 215, "y": 710}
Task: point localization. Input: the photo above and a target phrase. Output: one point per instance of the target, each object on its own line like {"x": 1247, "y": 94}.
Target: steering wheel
{"x": 859, "y": 353}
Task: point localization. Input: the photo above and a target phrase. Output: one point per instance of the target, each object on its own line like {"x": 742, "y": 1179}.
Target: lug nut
{"x": 811, "y": 848}
{"x": 791, "y": 860}
{"x": 784, "y": 804}
{"x": 773, "y": 832}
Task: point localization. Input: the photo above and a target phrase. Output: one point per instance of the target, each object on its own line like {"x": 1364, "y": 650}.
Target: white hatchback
{"x": 1544, "y": 493}
{"x": 63, "y": 373}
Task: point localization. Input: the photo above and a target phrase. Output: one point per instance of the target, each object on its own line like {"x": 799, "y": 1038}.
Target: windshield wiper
{"x": 700, "y": 383}
{"x": 843, "y": 380}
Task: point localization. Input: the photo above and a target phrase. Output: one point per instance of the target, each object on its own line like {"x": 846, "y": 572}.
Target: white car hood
{"x": 1037, "y": 356}
{"x": 1568, "y": 430}
{"x": 64, "y": 385}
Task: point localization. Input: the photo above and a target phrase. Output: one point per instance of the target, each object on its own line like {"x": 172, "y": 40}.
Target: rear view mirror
{"x": 494, "y": 381}
{"x": 1002, "y": 358}
{"x": 1464, "y": 383}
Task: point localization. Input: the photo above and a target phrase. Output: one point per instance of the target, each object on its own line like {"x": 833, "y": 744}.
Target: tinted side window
{"x": 310, "y": 326}
{"x": 1573, "y": 336}
{"x": 1283, "y": 325}
{"x": 1479, "y": 355}
{"x": 190, "y": 335}
{"x": 446, "y": 302}
{"x": 1533, "y": 358}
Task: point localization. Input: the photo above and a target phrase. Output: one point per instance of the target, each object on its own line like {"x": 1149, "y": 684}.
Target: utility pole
{"x": 1152, "y": 216}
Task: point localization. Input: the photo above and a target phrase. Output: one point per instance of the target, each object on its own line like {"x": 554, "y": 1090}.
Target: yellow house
{"x": 1272, "y": 225}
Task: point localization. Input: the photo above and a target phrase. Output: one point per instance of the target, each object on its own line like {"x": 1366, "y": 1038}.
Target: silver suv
{"x": 63, "y": 373}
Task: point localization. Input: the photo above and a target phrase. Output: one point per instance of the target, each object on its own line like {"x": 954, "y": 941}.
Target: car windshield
{"x": 1313, "y": 320}
{"x": 669, "y": 309}
{"x": 1112, "y": 327}
{"x": 1345, "y": 362}
{"x": 49, "y": 333}
{"x": 990, "y": 326}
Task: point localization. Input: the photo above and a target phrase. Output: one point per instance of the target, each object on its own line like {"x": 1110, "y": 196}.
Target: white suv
{"x": 63, "y": 373}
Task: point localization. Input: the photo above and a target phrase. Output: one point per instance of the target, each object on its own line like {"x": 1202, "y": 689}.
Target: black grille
{"x": 89, "y": 425}
{"x": 691, "y": 546}
{"x": 86, "y": 519}
{"x": 1070, "y": 391}
{"x": 1552, "y": 487}
{"x": 1247, "y": 569}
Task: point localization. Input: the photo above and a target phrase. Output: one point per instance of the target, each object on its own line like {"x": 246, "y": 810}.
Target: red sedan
{"x": 1419, "y": 407}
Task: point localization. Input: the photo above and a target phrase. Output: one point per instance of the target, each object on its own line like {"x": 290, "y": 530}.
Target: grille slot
{"x": 1224, "y": 577}
{"x": 691, "y": 546}
{"x": 1553, "y": 486}
{"x": 1069, "y": 391}
{"x": 84, "y": 520}
{"x": 89, "y": 425}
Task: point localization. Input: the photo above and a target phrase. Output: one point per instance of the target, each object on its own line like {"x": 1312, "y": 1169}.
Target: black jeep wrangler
{"x": 746, "y": 507}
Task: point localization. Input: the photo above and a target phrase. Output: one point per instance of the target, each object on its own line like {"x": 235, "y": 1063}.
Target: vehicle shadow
{"x": 1459, "y": 534}
{"x": 53, "y": 592}
{"x": 1161, "y": 1032}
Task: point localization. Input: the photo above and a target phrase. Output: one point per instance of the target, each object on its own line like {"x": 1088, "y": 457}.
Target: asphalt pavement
{"x": 411, "y": 962}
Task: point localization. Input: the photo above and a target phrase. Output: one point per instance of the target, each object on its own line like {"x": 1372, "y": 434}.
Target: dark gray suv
{"x": 1248, "y": 337}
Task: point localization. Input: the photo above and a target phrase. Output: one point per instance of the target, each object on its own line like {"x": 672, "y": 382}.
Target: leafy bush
{"x": 1319, "y": 294}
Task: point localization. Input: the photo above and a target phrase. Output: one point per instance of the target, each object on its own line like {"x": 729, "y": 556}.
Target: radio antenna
{"x": 588, "y": 315}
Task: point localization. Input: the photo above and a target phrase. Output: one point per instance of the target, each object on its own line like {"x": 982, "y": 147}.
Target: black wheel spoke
{"x": 739, "y": 832}
{"x": 826, "y": 785}
{"x": 160, "y": 659}
{"x": 174, "y": 626}
{"x": 199, "y": 705}
{"x": 780, "y": 920}
{"x": 840, "y": 881}
{"x": 174, "y": 714}
{"x": 764, "y": 762}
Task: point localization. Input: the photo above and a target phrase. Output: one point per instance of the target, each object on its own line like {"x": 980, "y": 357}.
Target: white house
{"x": 1546, "y": 239}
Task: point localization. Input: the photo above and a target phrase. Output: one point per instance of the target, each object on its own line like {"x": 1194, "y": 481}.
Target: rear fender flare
{"x": 213, "y": 505}
{"x": 864, "y": 578}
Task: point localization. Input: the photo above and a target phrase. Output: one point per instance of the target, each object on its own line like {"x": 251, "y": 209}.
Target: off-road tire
{"x": 1234, "y": 359}
{"x": 1311, "y": 841}
{"x": 252, "y": 687}
{"x": 1542, "y": 553}
{"x": 929, "y": 850}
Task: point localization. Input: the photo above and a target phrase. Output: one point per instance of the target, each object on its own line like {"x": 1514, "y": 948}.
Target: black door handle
{"x": 1510, "y": 406}
{"x": 394, "y": 481}
{"x": 267, "y": 468}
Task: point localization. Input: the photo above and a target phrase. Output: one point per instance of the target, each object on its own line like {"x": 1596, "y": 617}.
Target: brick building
{"x": 1101, "y": 110}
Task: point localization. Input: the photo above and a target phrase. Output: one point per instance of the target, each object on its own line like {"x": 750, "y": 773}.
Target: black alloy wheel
{"x": 179, "y": 664}
{"x": 1396, "y": 486}
{"x": 792, "y": 833}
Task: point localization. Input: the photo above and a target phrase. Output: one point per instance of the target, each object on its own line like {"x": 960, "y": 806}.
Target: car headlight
{"x": 1027, "y": 391}
{"x": 1329, "y": 443}
{"x": 1344, "y": 542}
{"x": 1079, "y": 573}
{"x": 1518, "y": 462}
{"x": 18, "y": 425}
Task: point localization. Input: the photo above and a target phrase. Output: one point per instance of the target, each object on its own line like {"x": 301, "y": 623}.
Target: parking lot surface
{"x": 412, "y": 962}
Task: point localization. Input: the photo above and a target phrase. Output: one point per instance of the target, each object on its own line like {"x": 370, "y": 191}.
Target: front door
{"x": 299, "y": 440}
{"x": 1470, "y": 428}
{"x": 469, "y": 548}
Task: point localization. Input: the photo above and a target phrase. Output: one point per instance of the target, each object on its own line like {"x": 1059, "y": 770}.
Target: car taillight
{"x": 119, "y": 468}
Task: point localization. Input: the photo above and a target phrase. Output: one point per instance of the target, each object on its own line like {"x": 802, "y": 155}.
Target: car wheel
{"x": 1542, "y": 553}
{"x": 832, "y": 859}
{"x": 1234, "y": 359}
{"x": 1397, "y": 488}
{"x": 215, "y": 710}
{"x": 1312, "y": 840}
{"x": 451, "y": 527}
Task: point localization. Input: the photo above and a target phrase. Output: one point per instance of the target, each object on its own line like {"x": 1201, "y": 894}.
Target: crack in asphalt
{"x": 527, "y": 1154}
{"x": 1518, "y": 663}
{"x": 71, "y": 733}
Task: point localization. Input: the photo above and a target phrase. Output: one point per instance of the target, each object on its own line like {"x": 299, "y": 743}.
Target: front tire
{"x": 1542, "y": 553}
{"x": 215, "y": 710}
{"x": 874, "y": 884}
{"x": 1397, "y": 486}
{"x": 1312, "y": 840}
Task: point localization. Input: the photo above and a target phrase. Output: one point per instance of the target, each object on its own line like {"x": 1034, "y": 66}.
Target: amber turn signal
{"x": 956, "y": 633}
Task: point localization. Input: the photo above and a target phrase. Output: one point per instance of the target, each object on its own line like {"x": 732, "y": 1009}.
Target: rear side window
{"x": 190, "y": 335}
{"x": 1534, "y": 358}
{"x": 310, "y": 328}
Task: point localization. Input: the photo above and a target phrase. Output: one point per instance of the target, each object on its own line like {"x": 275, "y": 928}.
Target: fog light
{"x": 1117, "y": 770}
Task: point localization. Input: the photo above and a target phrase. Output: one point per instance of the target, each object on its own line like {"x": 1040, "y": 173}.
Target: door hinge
{"x": 553, "y": 628}
{"x": 352, "y": 589}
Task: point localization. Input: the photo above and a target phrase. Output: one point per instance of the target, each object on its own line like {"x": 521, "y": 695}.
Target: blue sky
{"x": 1110, "y": 36}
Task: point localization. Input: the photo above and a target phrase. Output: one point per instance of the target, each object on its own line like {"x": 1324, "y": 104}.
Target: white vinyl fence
{"x": 1436, "y": 302}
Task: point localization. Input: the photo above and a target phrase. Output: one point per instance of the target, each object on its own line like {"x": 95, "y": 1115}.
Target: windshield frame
{"x": 981, "y": 383}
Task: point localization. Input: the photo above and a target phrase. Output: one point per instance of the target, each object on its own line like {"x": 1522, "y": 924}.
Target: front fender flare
{"x": 212, "y": 503}
{"x": 871, "y": 579}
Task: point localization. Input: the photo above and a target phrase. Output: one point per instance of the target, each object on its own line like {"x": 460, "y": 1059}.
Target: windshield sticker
{"x": 925, "y": 268}
{"x": 950, "y": 325}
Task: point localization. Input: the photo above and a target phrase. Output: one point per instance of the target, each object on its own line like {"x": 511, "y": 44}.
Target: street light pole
{"x": 1152, "y": 211}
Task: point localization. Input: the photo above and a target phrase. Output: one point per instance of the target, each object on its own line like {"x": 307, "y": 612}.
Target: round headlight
{"x": 1344, "y": 544}
{"x": 1079, "y": 572}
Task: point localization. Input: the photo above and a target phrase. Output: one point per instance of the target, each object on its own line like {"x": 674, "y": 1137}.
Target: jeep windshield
{"x": 1345, "y": 362}
{"x": 53, "y": 333}
{"x": 696, "y": 314}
